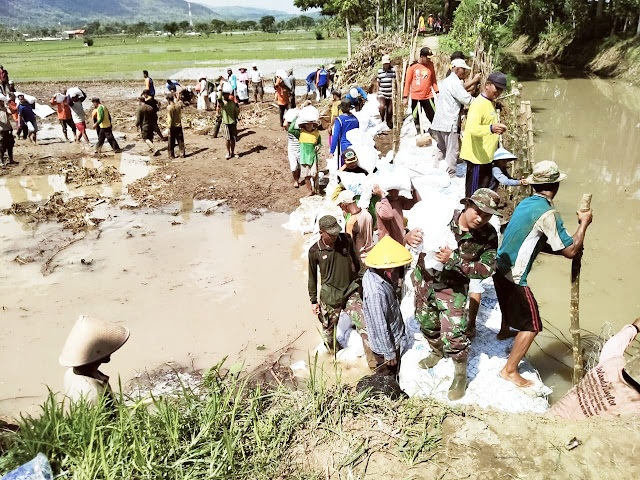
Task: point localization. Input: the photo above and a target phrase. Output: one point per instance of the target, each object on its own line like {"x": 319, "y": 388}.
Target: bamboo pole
{"x": 529, "y": 118}
{"x": 398, "y": 110}
{"x": 574, "y": 308}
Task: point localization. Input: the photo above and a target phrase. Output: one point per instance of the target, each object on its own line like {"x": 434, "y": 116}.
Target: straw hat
{"x": 91, "y": 339}
{"x": 388, "y": 254}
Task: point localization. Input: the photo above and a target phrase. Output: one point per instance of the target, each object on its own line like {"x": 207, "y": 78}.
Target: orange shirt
{"x": 420, "y": 80}
{"x": 13, "y": 108}
{"x": 282, "y": 94}
{"x": 64, "y": 112}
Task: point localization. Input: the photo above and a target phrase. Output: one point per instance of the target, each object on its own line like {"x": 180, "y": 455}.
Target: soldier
{"x": 340, "y": 276}
{"x": 441, "y": 296}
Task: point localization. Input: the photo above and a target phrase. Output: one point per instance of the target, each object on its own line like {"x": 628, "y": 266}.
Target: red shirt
{"x": 420, "y": 80}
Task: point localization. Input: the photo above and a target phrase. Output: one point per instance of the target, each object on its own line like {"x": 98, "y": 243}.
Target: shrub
{"x": 319, "y": 35}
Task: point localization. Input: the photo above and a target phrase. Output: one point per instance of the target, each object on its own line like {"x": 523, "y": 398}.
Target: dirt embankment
{"x": 611, "y": 57}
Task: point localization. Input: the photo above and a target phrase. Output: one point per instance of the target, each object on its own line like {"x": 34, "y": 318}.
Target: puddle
{"x": 596, "y": 141}
{"x": 192, "y": 292}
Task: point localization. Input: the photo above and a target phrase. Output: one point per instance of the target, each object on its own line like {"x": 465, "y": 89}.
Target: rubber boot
{"x": 459, "y": 384}
{"x": 434, "y": 357}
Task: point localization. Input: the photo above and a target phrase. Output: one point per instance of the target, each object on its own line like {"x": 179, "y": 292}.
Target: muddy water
{"x": 192, "y": 289}
{"x": 591, "y": 128}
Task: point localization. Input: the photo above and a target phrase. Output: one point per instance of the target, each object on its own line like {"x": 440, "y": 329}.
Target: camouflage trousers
{"x": 442, "y": 315}
{"x": 329, "y": 317}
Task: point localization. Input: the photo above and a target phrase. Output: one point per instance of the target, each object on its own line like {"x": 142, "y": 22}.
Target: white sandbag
{"x": 309, "y": 114}
{"x": 75, "y": 92}
{"x": 3, "y": 98}
{"x": 394, "y": 177}
{"x": 285, "y": 78}
{"x": 59, "y": 97}
{"x": 30, "y": 127}
{"x": 364, "y": 147}
{"x": 29, "y": 98}
{"x": 353, "y": 181}
{"x": 291, "y": 114}
{"x": 243, "y": 91}
{"x": 43, "y": 111}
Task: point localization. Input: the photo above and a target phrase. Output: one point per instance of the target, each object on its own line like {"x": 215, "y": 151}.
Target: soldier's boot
{"x": 434, "y": 357}
{"x": 459, "y": 384}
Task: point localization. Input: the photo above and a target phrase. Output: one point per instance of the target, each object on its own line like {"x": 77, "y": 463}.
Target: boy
{"x": 310, "y": 143}
{"x": 229, "y": 111}
{"x": 501, "y": 159}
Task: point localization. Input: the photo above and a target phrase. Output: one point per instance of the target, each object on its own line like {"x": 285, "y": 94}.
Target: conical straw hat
{"x": 90, "y": 340}
{"x": 388, "y": 254}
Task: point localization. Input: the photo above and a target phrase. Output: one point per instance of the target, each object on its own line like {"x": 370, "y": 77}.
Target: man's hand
{"x": 405, "y": 101}
{"x": 585, "y": 218}
{"x": 315, "y": 309}
{"x": 414, "y": 237}
{"x": 392, "y": 363}
{"x": 476, "y": 78}
{"x": 637, "y": 322}
{"x": 523, "y": 181}
{"x": 443, "y": 255}
{"x": 378, "y": 191}
{"x": 498, "y": 128}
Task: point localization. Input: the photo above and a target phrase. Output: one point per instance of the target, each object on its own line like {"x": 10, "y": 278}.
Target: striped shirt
{"x": 385, "y": 81}
{"x": 534, "y": 222}
{"x": 382, "y": 316}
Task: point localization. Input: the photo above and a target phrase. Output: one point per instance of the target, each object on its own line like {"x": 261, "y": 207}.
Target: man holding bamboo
{"x": 534, "y": 226}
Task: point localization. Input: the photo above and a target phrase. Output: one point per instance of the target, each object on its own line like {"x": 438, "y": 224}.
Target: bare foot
{"x": 310, "y": 194}
{"x": 516, "y": 378}
{"x": 504, "y": 334}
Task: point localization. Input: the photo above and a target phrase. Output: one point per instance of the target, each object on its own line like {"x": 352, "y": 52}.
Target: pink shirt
{"x": 603, "y": 391}
{"x": 390, "y": 218}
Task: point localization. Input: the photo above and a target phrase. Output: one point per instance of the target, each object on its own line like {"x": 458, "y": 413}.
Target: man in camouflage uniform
{"x": 340, "y": 276}
{"x": 441, "y": 296}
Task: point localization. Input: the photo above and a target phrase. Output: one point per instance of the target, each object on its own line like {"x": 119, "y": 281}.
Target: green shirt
{"x": 229, "y": 110}
{"x": 308, "y": 142}
{"x": 340, "y": 271}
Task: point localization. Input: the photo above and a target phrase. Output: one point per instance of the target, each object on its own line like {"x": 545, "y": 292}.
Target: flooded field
{"x": 591, "y": 128}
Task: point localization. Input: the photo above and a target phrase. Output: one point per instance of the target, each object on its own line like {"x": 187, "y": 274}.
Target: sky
{"x": 281, "y": 5}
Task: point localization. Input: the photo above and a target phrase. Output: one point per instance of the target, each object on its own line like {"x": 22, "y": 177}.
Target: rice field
{"x": 119, "y": 57}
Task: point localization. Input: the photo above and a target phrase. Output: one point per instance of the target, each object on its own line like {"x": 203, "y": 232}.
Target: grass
{"x": 110, "y": 58}
{"x": 228, "y": 430}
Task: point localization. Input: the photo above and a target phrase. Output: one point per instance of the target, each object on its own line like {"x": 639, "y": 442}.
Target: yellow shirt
{"x": 478, "y": 143}
{"x": 335, "y": 111}
{"x": 174, "y": 116}
{"x": 105, "y": 121}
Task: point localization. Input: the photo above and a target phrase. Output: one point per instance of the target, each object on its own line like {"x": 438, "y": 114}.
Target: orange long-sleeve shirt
{"x": 420, "y": 78}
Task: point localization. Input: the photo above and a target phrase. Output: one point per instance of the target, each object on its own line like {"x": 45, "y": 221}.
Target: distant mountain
{"x": 77, "y": 12}
{"x": 246, "y": 13}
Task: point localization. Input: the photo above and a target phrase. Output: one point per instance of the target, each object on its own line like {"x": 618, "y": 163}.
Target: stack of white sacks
{"x": 414, "y": 167}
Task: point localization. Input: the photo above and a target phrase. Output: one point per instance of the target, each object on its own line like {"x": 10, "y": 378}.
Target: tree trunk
{"x": 599, "y": 9}
{"x": 346, "y": 21}
{"x": 447, "y": 6}
{"x": 404, "y": 18}
{"x": 638, "y": 29}
{"x": 378, "y": 17}
{"x": 626, "y": 24}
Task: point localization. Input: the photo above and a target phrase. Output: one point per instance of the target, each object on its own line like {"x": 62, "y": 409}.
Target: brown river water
{"x": 591, "y": 128}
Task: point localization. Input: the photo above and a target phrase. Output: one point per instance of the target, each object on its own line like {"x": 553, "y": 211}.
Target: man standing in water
{"x": 535, "y": 224}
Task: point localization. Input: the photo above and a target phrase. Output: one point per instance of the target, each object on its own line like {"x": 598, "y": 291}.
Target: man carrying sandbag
{"x": 441, "y": 295}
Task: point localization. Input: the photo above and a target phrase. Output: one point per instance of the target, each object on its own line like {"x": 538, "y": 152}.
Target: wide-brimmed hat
{"x": 345, "y": 196}
{"x": 485, "y": 199}
{"x": 503, "y": 154}
{"x": 546, "y": 171}
{"x": 632, "y": 368}
{"x": 330, "y": 225}
{"x": 91, "y": 339}
{"x": 388, "y": 254}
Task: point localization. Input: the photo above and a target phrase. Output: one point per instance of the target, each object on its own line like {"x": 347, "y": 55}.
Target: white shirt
{"x": 88, "y": 388}
{"x": 77, "y": 112}
{"x": 256, "y": 76}
{"x": 450, "y": 99}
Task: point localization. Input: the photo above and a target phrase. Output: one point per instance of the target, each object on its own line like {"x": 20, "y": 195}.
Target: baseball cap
{"x": 345, "y": 196}
{"x": 460, "y": 63}
{"x": 499, "y": 79}
{"x": 425, "y": 52}
{"x": 350, "y": 156}
{"x": 329, "y": 224}
{"x": 354, "y": 93}
{"x": 485, "y": 199}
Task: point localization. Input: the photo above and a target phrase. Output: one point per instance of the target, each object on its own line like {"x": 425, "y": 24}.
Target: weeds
{"x": 224, "y": 430}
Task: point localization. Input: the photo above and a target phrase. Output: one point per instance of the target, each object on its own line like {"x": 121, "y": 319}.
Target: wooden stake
{"x": 574, "y": 309}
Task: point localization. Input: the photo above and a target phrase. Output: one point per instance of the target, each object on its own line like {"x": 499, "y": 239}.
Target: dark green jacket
{"x": 340, "y": 271}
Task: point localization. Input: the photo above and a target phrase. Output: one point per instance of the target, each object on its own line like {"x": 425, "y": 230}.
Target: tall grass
{"x": 226, "y": 429}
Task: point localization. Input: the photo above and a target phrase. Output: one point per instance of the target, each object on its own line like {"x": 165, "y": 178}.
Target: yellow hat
{"x": 388, "y": 254}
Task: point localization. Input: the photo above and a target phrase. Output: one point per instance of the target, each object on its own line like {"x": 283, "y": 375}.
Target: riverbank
{"x": 612, "y": 57}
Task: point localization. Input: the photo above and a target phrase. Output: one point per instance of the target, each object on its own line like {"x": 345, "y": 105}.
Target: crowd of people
{"x": 359, "y": 269}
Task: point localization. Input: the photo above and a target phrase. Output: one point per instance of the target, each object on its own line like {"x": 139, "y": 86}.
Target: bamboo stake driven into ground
{"x": 574, "y": 309}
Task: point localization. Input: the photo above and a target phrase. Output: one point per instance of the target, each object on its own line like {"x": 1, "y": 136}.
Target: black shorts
{"x": 518, "y": 305}
{"x": 478, "y": 176}
{"x": 147, "y": 133}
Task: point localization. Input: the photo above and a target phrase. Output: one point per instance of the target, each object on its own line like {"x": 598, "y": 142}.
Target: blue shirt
{"x": 354, "y": 100}
{"x": 341, "y": 126}
{"x": 534, "y": 222}
{"x": 501, "y": 177}
{"x": 311, "y": 78}
{"x": 323, "y": 76}
{"x": 172, "y": 85}
{"x": 152, "y": 89}
{"x": 26, "y": 113}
